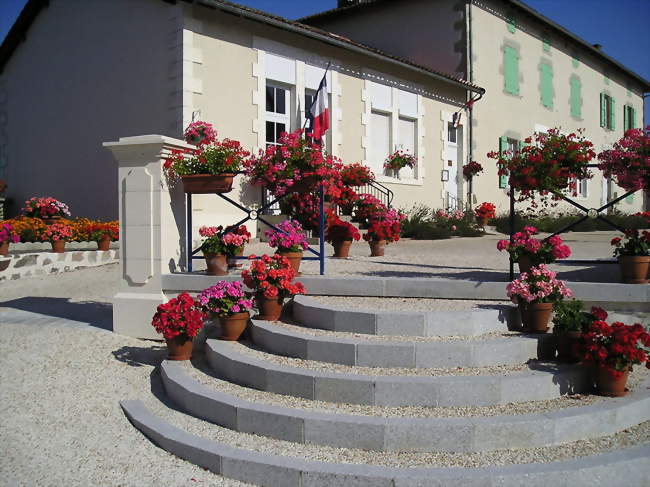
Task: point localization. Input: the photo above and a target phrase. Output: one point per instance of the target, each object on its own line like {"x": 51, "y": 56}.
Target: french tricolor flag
{"x": 319, "y": 114}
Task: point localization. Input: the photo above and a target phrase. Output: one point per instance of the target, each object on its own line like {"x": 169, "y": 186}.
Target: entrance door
{"x": 452, "y": 160}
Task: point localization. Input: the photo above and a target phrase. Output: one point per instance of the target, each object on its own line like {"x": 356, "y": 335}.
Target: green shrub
{"x": 424, "y": 223}
{"x": 554, "y": 223}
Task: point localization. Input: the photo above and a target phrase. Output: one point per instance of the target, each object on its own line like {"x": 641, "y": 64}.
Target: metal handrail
{"x": 379, "y": 191}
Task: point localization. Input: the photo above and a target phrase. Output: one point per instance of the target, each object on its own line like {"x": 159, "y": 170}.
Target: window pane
{"x": 451, "y": 133}
{"x": 270, "y": 98}
{"x": 309, "y": 99}
{"x": 270, "y": 132}
{"x": 380, "y": 142}
{"x": 406, "y": 141}
{"x": 280, "y": 98}
{"x": 279, "y": 128}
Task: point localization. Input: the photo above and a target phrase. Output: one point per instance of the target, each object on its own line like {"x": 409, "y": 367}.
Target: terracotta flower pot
{"x": 232, "y": 326}
{"x": 539, "y": 314}
{"x": 634, "y": 268}
{"x": 217, "y": 264}
{"x": 58, "y": 246}
{"x": 208, "y": 183}
{"x": 234, "y": 263}
{"x": 4, "y": 248}
{"x": 50, "y": 220}
{"x": 482, "y": 221}
{"x": 525, "y": 264}
{"x": 568, "y": 346}
{"x": 294, "y": 259}
{"x": 104, "y": 244}
{"x": 270, "y": 308}
{"x": 608, "y": 385}
{"x": 342, "y": 248}
{"x": 377, "y": 248}
{"x": 179, "y": 348}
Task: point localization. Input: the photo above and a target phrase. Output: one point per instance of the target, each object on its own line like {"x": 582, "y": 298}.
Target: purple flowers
{"x": 292, "y": 240}
{"x": 224, "y": 298}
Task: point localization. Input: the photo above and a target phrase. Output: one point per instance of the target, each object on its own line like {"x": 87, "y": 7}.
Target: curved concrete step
{"x": 546, "y": 382}
{"x": 310, "y": 313}
{"x": 513, "y": 349}
{"x": 465, "y": 434}
{"x": 629, "y": 466}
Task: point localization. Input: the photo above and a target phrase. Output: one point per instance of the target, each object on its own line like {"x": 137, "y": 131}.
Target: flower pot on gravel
{"x": 342, "y": 248}
{"x": 217, "y": 264}
{"x": 104, "y": 244}
{"x": 58, "y": 246}
{"x": 269, "y": 309}
{"x": 377, "y": 248}
{"x": 179, "y": 347}
{"x": 233, "y": 325}
{"x": 208, "y": 183}
{"x": 568, "y": 346}
{"x": 634, "y": 268}
{"x": 538, "y": 315}
{"x": 607, "y": 384}
{"x": 4, "y": 248}
{"x": 482, "y": 221}
{"x": 294, "y": 259}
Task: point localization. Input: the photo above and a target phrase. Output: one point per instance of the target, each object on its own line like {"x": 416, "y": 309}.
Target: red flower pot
{"x": 294, "y": 259}
{"x": 634, "y": 268}
{"x": 179, "y": 348}
{"x": 608, "y": 385}
{"x": 208, "y": 183}
{"x": 232, "y": 326}
{"x": 58, "y": 246}
{"x": 568, "y": 346}
{"x": 4, "y": 248}
{"x": 377, "y": 248}
{"x": 217, "y": 264}
{"x": 270, "y": 308}
{"x": 104, "y": 244}
{"x": 342, "y": 248}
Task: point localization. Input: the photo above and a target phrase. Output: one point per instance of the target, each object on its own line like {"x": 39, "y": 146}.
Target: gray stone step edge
{"x": 312, "y": 314}
{"x": 432, "y": 391}
{"x": 467, "y": 434}
{"x": 363, "y": 352}
{"x": 616, "y": 295}
{"x": 630, "y": 465}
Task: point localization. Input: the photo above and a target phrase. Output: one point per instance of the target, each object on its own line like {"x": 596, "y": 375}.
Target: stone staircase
{"x": 346, "y": 397}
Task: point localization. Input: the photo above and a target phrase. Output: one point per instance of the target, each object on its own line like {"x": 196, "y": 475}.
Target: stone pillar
{"x": 152, "y": 230}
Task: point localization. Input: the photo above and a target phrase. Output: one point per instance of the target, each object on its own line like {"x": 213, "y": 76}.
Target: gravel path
{"x": 408, "y": 304}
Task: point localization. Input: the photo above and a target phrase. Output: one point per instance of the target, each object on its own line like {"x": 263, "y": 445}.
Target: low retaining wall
{"x": 16, "y": 266}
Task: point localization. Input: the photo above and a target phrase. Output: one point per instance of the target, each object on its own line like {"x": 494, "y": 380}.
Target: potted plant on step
{"x": 57, "y": 234}
{"x": 235, "y": 239}
{"x": 484, "y": 212}
{"x": 536, "y": 292}
{"x": 633, "y": 252}
{"x": 271, "y": 278}
{"x": 528, "y": 251}
{"x": 399, "y": 160}
{"x": 214, "y": 250}
{"x": 612, "y": 350}
{"x": 103, "y": 233}
{"x": 179, "y": 321}
{"x": 570, "y": 321}
{"x": 340, "y": 234}
{"x": 382, "y": 230}
{"x": 227, "y": 302}
{"x": 7, "y": 235}
{"x": 48, "y": 209}
{"x": 290, "y": 240}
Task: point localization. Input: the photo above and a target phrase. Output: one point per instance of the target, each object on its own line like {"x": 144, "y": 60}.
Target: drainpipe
{"x": 470, "y": 75}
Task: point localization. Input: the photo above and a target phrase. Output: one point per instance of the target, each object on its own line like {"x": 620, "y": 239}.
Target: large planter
{"x": 232, "y": 326}
{"x": 104, "y": 244}
{"x": 179, "y": 348}
{"x": 208, "y": 183}
{"x": 568, "y": 346}
{"x": 294, "y": 259}
{"x": 58, "y": 246}
{"x": 4, "y": 248}
{"x": 608, "y": 385}
{"x": 341, "y": 248}
{"x": 217, "y": 264}
{"x": 377, "y": 248}
{"x": 234, "y": 263}
{"x": 269, "y": 309}
{"x": 538, "y": 316}
{"x": 634, "y": 268}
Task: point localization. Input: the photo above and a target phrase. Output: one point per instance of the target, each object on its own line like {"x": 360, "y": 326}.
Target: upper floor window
{"x": 277, "y": 112}
{"x": 576, "y": 98}
{"x": 607, "y": 111}
{"x": 511, "y": 70}
{"x": 629, "y": 118}
{"x": 546, "y": 84}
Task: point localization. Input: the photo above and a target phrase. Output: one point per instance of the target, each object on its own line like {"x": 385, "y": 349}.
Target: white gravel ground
{"x": 408, "y": 304}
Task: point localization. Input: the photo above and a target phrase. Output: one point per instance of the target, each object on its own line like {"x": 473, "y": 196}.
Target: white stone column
{"x": 152, "y": 230}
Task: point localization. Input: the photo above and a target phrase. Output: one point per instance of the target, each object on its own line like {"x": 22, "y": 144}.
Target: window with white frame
{"x": 278, "y": 111}
{"x": 380, "y": 140}
{"x": 452, "y": 133}
{"x": 407, "y": 142}
{"x": 578, "y": 188}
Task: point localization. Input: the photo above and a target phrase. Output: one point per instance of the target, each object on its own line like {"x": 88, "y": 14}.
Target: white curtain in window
{"x": 380, "y": 143}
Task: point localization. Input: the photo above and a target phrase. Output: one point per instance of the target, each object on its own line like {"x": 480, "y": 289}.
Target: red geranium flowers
{"x": 272, "y": 276}
{"x": 181, "y": 315}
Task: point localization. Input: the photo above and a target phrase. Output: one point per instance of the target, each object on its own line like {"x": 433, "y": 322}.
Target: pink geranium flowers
{"x": 538, "y": 286}
{"x": 224, "y": 298}
{"x": 7, "y": 234}
{"x": 538, "y": 251}
{"x": 289, "y": 237}
{"x": 45, "y": 207}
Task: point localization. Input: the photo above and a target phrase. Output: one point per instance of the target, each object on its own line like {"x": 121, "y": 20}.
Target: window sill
{"x": 405, "y": 182}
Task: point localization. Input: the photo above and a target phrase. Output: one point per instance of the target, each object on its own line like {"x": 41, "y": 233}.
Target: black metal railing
{"x": 379, "y": 191}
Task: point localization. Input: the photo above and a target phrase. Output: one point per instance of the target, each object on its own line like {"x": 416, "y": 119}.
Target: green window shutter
{"x": 511, "y": 70}
{"x": 632, "y": 118}
{"x": 503, "y": 146}
{"x": 546, "y": 85}
{"x": 576, "y": 98}
{"x": 612, "y": 115}
{"x": 603, "y": 112}
{"x": 624, "y": 117}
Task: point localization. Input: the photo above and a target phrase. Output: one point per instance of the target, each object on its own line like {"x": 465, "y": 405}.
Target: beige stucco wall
{"x": 501, "y": 113}
{"x": 78, "y": 80}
